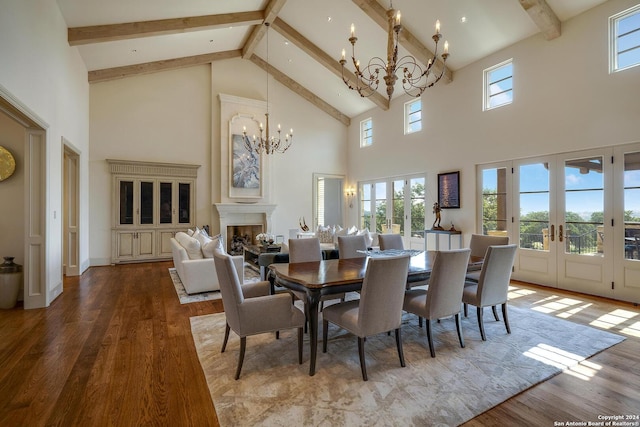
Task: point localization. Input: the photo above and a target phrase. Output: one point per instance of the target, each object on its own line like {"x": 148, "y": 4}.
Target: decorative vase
{"x": 10, "y": 281}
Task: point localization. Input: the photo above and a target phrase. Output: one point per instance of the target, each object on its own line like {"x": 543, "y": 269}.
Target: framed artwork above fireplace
{"x": 246, "y": 171}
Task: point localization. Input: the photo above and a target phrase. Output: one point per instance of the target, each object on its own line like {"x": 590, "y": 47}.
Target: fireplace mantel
{"x": 244, "y": 214}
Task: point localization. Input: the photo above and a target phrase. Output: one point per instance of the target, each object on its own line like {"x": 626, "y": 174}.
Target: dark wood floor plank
{"x": 116, "y": 349}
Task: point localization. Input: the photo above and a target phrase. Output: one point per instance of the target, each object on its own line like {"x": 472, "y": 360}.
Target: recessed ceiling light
{"x": 286, "y": 42}
{"x": 329, "y": 19}
{"x": 463, "y": 19}
{"x": 134, "y": 50}
{"x": 290, "y": 60}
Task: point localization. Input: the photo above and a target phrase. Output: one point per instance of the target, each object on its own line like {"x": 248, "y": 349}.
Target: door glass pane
{"x": 126, "y": 202}
{"x": 165, "y": 202}
{"x": 494, "y": 201}
{"x": 584, "y": 206}
{"x": 397, "y": 216}
{"x": 365, "y": 206}
{"x": 417, "y": 207}
{"x": 534, "y": 206}
{"x": 381, "y": 206}
{"x": 632, "y": 206}
{"x": 146, "y": 202}
{"x": 184, "y": 203}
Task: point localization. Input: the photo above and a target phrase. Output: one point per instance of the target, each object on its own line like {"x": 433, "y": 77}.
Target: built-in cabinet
{"x": 151, "y": 203}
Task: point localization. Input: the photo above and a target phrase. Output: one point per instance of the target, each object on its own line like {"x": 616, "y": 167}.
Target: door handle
{"x": 560, "y": 233}
{"x": 553, "y": 232}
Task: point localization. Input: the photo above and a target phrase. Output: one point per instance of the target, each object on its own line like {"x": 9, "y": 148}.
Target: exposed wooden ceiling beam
{"x": 300, "y": 90}
{"x": 544, "y": 17}
{"x": 322, "y": 57}
{"x": 130, "y": 30}
{"x": 152, "y": 67}
{"x": 270, "y": 14}
{"x": 415, "y": 47}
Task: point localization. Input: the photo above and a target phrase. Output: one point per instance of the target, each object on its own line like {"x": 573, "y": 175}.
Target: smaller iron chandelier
{"x": 266, "y": 143}
{"x": 415, "y": 79}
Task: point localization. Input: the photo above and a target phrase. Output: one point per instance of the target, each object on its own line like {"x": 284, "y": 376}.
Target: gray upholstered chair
{"x": 307, "y": 250}
{"x": 493, "y": 285}
{"x": 443, "y": 297}
{"x": 479, "y": 244}
{"x": 390, "y": 241}
{"x": 379, "y": 308}
{"x": 250, "y": 310}
{"x": 348, "y": 247}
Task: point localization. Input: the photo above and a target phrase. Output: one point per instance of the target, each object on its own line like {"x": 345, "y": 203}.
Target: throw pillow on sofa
{"x": 190, "y": 244}
{"x": 213, "y": 244}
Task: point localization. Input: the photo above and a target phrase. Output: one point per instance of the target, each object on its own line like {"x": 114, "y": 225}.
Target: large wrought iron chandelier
{"x": 266, "y": 143}
{"x": 415, "y": 78}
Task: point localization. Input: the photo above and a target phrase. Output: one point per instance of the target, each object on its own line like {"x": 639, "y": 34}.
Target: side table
{"x": 449, "y": 235}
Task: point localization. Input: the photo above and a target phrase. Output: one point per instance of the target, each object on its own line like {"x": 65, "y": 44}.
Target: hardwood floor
{"x": 116, "y": 349}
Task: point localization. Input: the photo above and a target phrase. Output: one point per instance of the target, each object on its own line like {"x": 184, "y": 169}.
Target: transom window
{"x": 413, "y": 116}
{"x": 366, "y": 132}
{"x": 498, "y": 85}
{"x": 624, "y": 43}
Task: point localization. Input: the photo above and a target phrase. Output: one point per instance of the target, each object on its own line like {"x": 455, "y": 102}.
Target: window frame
{"x": 486, "y": 96}
{"x": 613, "y": 39}
{"x": 366, "y": 141}
{"x": 407, "y": 116}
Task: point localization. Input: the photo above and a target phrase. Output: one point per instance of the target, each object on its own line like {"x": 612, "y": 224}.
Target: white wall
{"x": 564, "y": 100}
{"x": 174, "y": 116}
{"x": 47, "y": 77}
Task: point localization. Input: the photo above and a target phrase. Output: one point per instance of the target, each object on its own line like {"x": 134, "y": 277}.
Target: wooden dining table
{"x": 336, "y": 276}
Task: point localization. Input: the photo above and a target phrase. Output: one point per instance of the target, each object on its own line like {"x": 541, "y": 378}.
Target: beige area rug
{"x": 457, "y": 385}
{"x": 250, "y": 275}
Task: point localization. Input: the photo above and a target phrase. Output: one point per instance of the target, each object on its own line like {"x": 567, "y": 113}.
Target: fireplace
{"x": 245, "y": 221}
{"x": 239, "y": 235}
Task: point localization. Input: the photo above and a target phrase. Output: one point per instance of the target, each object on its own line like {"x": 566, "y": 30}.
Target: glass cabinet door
{"x": 126, "y": 202}
{"x": 146, "y": 202}
{"x": 166, "y": 202}
{"x": 184, "y": 203}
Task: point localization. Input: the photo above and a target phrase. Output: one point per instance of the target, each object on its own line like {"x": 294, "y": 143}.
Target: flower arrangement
{"x": 265, "y": 238}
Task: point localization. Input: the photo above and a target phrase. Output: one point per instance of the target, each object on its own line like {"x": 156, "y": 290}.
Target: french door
{"x": 573, "y": 216}
{"x": 395, "y": 205}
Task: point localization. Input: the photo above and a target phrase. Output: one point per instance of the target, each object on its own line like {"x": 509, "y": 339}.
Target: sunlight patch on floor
{"x": 564, "y": 305}
{"x": 553, "y": 356}
{"x": 515, "y": 292}
{"x": 584, "y": 370}
{"x": 614, "y": 318}
{"x": 633, "y": 330}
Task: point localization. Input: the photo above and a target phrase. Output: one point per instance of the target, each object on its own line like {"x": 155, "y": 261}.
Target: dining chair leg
{"x": 481, "y": 323}
{"x": 226, "y": 338}
{"x": 466, "y": 309}
{"x": 495, "y": 313}
{"x": 429, "y": 338}
{"x": 300, "y": 334}
{"x": 277, "y": 335}
{"x": 505, "y": 317}
{"x": 399, "y": 345}
{"x": 325, "y": 334}
{"x": 243, "y": 346}
{"x": 363, "y": 365}
{"x": 459, "y": 328}
{"x": 420, "y": 322}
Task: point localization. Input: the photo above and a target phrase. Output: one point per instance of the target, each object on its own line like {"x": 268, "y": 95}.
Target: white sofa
{"x": 197, "y": 273}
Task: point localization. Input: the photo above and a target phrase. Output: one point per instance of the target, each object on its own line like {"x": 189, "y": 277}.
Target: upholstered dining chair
{"x": 348, "y": 247}
{"x": 250, "y": 310}
{"x": 443, "y": 297}
{"x": 493, "y": 285}
{"x": 390, "y": 241}
{"x": 479, "y": 244}
{"x": 307, "y": 250}
{"x": 379, "y": 308}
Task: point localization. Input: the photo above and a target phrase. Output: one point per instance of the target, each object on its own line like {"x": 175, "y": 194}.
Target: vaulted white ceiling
{"x": 305, "y": 39}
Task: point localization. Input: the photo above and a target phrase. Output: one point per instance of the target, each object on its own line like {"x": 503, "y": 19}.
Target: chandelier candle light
{"x": 267, "y": 143}
{"x": 415, "y": 80}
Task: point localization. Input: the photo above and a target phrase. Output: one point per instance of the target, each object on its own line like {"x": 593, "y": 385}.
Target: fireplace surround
{"x": 243, "y": 214}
